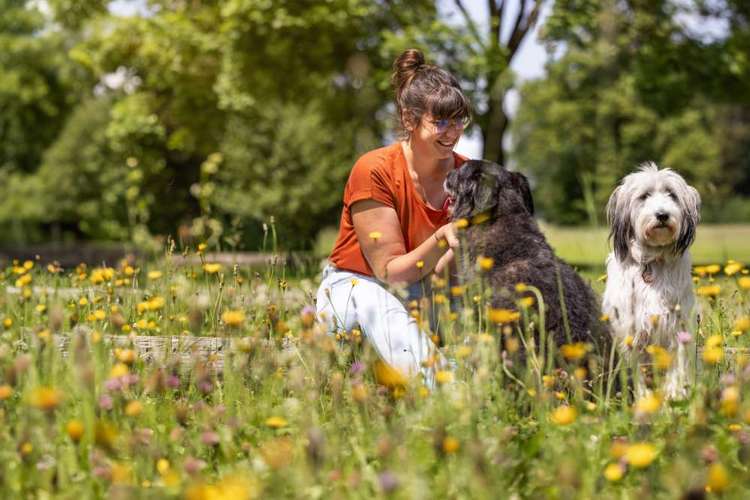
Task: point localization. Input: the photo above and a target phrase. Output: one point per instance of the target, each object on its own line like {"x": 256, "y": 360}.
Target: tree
{"x": 598, "y": 113}
{"x": 489, "y": 57}
{"x": 243, "y": 110}
{"x": 38, "y": 85}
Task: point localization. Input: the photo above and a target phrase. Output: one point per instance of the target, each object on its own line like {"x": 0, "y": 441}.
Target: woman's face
{"x": 437, "y": 138}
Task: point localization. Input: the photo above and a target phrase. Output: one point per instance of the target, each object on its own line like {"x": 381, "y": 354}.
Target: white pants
{"x": 381, "y": 316}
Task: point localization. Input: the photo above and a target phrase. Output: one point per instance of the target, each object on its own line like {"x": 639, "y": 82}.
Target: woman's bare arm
{"x": 381, "y": 239}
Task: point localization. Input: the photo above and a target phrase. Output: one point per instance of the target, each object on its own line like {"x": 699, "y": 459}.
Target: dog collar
{"x": 648, "y": 274}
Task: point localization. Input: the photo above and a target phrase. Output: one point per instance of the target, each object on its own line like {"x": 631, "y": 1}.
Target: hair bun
{"x": 404, "y": 68}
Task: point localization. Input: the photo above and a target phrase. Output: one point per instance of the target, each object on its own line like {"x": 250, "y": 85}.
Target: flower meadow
{"x": 286, "y": 410}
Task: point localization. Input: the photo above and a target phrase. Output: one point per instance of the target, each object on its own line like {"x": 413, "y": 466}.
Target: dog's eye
{"x": 644, "y": 196}
{"x": 672, "y": 195}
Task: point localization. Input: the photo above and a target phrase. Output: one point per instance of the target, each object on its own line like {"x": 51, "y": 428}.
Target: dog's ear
{"x": 521, "y": 184}
{"x": 485, "y": 197}
{"x": 621, "y": 230}
{"x": 463, "y": 184}
{"x": 691, "y": 204}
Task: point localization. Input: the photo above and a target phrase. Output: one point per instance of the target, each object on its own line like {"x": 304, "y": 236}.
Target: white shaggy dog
{"x": 649, "y": 297}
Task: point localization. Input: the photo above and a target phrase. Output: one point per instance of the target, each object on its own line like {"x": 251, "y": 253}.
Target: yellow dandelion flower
{"x": 375, "y": 235}
{"x": 564, "y": 415}
{"x": 618, "y": 448}
{"x": 717, "y": 478}
{"x": 647, "y": 405}
{"x": 548, "y": 381}
{"x": 480, "y": 218}
{"x": 420, "y": 264}
{"x": 202, "y": 247}
{"x": 457, "y": 291}
{"x": 23, "y": 281}
{"x": 485, "y": 263}
{"x": 708, "y": 290}
{"x": 713, "y": 355}
{"x": 732, "y": 268}
{"x": 512, "y": 344}
{"x": 580, "y": 373}
{"x": 212, "y": 268}
{"x": 744, "y": 282}
{"x": 730, "y": 401}
{"x": 463, "y": 351}
{"x": 713, "y": 268}
{"x": 126, "y": 356}
{"x": 526, "y": 302}
{"x": 502, "y": 316}
{"x": 662, "y": 359}
{"x": 6, "y": 391}
{"x": 75, "y": 430}
{"x": 233, "y": 319}
{"x": 83, "y": 301}
{"x": 133, "y": 408}
{"x": 162, "y": 466}
{"x": 444, "y": 377}
{"x": 359, "y": 393}
{"x": 8, "y": 322}
{"x": 462, "y": 223}
{"x": 613, "y": 472}
{"x": 714, "y": 341}
{"x": 154, "y": 275}
{"x": 604, "y": 318}
{"x": 388, "y": 376}
{"x": 119, "y": 370}
{"x": 700, "y": 270}
{"x": 521, "y": 287}
{"x": 573, "y": 352}
{"x": 640, "y": 455}
{"x": 276, "y": 422}
{"x": 450, "y": 445}
{"x": 742, "y": 324}
{"x": 45, "y": 398}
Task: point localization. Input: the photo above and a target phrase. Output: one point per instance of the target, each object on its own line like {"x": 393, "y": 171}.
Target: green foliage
{"x": 38, "y": 85}
{"x": 90, "y": 198}
{"x": 604, "y": 108}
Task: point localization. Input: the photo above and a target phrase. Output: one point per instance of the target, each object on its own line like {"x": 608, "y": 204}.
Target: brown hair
{"x": 425, "y": 88}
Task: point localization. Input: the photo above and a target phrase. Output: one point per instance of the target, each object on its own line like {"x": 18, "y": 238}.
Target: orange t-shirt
{"x": 382, "y": 175}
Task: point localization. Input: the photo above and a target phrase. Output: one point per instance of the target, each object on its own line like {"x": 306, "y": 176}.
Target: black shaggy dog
{"x": 482, "y": 190}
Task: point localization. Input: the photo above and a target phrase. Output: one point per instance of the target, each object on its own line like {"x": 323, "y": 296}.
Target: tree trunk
{"x": 497, "y": 123}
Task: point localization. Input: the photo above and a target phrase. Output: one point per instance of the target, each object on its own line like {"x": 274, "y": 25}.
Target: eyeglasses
{"x": 444, "y": 124}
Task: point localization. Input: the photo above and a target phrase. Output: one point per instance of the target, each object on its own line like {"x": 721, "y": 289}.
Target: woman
{"x": 394, "y": 226}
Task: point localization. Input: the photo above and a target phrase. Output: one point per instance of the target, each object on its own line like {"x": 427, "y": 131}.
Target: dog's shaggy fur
{"x": 521, "y": 254}
{"x": 649, "y": 298}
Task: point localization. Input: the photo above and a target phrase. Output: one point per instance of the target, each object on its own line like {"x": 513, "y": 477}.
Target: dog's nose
{"x": 662, "y": 216}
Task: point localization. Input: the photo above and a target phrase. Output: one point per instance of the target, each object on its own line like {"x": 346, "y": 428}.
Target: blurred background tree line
{"x": 205, "y": 119}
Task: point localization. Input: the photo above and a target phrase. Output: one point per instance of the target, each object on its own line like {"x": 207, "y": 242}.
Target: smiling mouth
{"x": 447, "y": 144}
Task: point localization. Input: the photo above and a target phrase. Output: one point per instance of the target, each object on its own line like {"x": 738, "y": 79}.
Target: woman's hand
{"x": 448, "y": 233}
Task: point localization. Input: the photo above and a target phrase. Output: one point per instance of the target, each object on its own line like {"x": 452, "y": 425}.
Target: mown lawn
{"x": 588, "y": 247}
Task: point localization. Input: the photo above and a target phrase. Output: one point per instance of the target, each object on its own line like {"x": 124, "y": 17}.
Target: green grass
{"x": 588, "y": 247}
{"x": 292, "y": 416}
